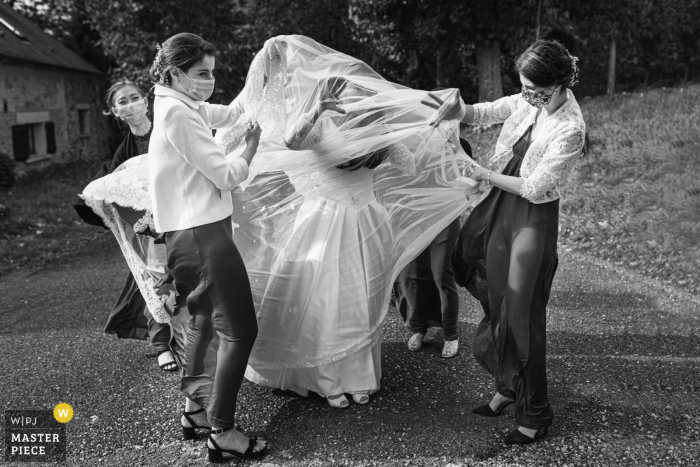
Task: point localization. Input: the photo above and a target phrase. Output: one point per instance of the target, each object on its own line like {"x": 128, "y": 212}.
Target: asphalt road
{"x": 623, "y": 364}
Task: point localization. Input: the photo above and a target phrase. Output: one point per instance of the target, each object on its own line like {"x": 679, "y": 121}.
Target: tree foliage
{"x": 419, "y": 43}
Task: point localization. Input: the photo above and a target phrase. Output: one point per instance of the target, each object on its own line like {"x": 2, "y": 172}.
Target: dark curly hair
{"x": 182, "y": 51}
{"x": 547, "y": 63}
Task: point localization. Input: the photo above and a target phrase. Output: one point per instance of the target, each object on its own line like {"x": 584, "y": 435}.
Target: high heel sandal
{"x": 486, "y": 411}
{"x": 188, "y": 432}
{"x": 339, "y": 402}
{"x": 216, "y": 453}
{"x": 168, "y": 366}
{"x": 518, "y": 437}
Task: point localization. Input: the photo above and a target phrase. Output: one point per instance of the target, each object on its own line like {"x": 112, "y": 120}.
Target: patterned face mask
{"x": 536, "y": 99}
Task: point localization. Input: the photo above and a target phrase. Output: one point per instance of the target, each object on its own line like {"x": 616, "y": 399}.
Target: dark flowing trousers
{"x": 426, "y": 291}
{"x": 131, "y": 319}
{"x": 507, "y": 257}
{"x": 213, "y": 314}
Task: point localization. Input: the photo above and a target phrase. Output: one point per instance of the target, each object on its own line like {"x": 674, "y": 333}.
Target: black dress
{"x": 130, "y": 317}
{"x": 506, "y": 257}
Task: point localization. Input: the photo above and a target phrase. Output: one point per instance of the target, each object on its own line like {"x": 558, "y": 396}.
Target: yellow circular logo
{"x": 63, "y": 413}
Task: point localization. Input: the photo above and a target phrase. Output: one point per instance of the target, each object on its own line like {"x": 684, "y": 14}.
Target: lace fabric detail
{"x": 308, "y": 182}
{"x": 402, "y": 158}
{"x": 554, "y": 151}
{"x": 127, "y": 186}
{"x": 146, "y": 222}
{"x": 543, "y": 183}
{"x": 318, "y": 132}
{"x": 265, "y": 98}
{"x": 538, "y": 188}
{"x": 305, "y": 183}
{"x": 233, "y": 137}
{"x": 145, "y": 281}
{"x": 490, "y": 113}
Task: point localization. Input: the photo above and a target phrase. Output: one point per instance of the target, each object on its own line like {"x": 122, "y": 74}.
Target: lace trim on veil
{"x": 146, "y": 283}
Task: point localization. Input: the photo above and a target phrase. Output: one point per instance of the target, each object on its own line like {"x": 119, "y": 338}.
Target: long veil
{"x": 415, "y": 180}
{"x": 417, "y": 183}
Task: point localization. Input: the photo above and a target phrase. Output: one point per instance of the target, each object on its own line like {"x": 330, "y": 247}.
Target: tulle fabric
{"x": 121, "y": 200}
{"x": 323, "y": 245}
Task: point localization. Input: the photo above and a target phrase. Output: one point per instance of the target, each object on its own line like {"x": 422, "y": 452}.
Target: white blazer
{"x": 190, "y": 180}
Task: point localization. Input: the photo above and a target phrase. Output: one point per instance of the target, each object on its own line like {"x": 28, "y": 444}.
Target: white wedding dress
{"x": 329, "y": 283}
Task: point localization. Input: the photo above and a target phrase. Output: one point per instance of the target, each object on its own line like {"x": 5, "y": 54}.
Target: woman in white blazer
{"x": 190, "y": 187}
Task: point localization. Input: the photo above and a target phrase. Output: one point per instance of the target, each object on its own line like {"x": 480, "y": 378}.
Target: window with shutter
{"x": 50, "y": 138}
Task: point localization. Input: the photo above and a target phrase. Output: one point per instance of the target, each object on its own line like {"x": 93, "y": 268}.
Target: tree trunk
{"x": 611, "y": 66}
{"x": 539, "y": 16}
{"x": 411, "y": 69}
{"x": 488, "y": 64}
{"x": 488, "y": 51}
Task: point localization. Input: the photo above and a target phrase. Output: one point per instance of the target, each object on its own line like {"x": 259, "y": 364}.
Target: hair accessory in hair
{"x": 574, "y": 76}
{"x": 158, "y": 65}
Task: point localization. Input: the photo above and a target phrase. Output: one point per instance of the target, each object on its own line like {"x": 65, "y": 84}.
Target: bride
{"x": 349, "y": 184}
{"x": 366, "y": 185}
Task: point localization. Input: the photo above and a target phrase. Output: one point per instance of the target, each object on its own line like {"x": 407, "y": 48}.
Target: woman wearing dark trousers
{"x": 426, "y": 293}
{"x": 190, "y": 187}
{"x": 507, "y": 252}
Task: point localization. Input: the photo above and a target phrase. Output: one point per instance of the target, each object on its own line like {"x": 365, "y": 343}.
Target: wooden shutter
{"x": 50, "y": 138}
{"x": 21, "y": 145}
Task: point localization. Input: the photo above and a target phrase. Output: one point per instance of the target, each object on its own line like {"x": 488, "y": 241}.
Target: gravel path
{"x": 624, "y": 381}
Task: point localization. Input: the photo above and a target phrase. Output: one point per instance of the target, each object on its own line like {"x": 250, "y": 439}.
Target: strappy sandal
{"x": 188, "y": 432}
{"x": 415, "y": 343}
{"x": 450, "y": 349}
{"x": 361, "y": 398}
{"x": 339, "y": 402}
{"x": 168, "y": 366}
{"x": 216, "y": 453}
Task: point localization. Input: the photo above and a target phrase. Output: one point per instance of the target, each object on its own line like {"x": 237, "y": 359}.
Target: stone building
{"x": 50, "y": 98}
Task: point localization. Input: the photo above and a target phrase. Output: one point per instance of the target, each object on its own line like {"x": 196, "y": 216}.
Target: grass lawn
{"x": 634, "y": 198}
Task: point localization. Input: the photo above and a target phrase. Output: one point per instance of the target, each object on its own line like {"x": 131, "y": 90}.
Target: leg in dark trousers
{"x": 518, "y": 270}
{"x": 212, "y": 283}
{"x": 158, "y": 332}
{"x": 441, "y": 265}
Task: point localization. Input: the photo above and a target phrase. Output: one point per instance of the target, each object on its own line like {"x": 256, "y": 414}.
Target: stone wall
{"x": 34, "y": 94}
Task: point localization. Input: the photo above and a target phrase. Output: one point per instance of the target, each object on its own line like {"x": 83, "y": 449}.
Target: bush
{"x": 7, "y": 171}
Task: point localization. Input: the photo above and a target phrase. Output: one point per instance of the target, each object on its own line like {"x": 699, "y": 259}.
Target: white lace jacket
{"x": 551, "y": 155}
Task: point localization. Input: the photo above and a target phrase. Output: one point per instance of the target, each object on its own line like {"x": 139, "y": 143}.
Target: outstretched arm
{"x": 330, "y": 88}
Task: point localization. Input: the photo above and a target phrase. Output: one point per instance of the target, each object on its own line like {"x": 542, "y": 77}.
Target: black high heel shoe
{"x": 188, "y": 432}
{"x": 518, "y": 437}
{"x": 216, "y": 454}
{"x": 485, "y": 410}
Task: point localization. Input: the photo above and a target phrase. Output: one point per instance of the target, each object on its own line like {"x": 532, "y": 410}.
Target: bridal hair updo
{"x": 547, "y": 63}
{"x": 114, "y": 88}
{"x": 182, "y": 51}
